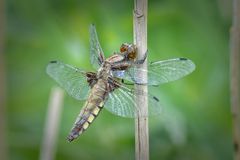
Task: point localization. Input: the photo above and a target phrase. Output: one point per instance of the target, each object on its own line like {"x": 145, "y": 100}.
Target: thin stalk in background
{"x": 49, "y": 143}
{"x": 3, "y": 82}
{"x": 234, "y": 76}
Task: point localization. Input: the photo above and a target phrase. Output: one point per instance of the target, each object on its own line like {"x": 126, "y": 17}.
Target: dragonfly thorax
{"x": 104, "y": 70}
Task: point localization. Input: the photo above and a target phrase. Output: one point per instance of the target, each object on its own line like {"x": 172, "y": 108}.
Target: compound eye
{"x": 123, "y": 48}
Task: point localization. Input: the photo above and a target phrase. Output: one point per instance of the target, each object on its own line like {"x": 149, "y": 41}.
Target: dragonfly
{"x": 112, "y": 85}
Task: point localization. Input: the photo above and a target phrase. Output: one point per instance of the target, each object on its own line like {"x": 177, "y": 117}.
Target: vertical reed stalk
{"x": 51, "y": 124}
{"x": 140, "y": 40}
{"x": 234, "y": 76}
{"x": 3, "y": 123}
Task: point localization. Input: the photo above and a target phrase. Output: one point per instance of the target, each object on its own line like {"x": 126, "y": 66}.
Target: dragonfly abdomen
{"x": 90, "y": 111}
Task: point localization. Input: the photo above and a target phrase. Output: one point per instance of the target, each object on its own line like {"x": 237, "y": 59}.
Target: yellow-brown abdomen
{"x": 90, "y": 111}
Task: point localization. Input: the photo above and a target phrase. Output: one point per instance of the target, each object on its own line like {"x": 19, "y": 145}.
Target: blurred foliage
{"x": 195, "y": 123}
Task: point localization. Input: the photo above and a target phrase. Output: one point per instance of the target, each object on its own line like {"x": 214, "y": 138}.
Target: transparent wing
{"x": 159, "y": 72}
{"x": 121, "y": 102}
{"x": 96, "y": 52}
{"x": 72, "y": 79}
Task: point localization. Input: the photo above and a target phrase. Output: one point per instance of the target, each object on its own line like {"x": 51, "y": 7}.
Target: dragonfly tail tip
{"x": 70, "y": 138}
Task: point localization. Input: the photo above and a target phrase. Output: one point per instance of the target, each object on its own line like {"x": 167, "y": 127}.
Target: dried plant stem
{"x": 140, "y": 40}
{"x": 3, "y": 126}
{"x": 51, "y": 124}
{"x": 234, "y": 77}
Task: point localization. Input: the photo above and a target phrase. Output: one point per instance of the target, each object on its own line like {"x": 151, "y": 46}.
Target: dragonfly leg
{"x": 91, "y": 78}
{"x": 141, "y": 61}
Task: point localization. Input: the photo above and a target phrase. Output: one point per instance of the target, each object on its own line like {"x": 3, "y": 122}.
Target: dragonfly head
{"x": 129, "y": 51}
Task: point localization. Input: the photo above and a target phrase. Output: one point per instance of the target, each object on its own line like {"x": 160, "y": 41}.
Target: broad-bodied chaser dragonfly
{"x": 111, "y": 85}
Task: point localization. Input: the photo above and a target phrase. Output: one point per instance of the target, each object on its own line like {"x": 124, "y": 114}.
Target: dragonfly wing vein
{"x": 72, "y": 79}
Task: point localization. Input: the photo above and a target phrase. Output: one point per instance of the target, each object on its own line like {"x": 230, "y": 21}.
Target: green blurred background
{"x": 195, "y": 122}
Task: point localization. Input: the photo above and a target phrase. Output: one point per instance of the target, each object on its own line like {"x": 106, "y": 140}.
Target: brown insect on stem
{"x": 140, "y": 40}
